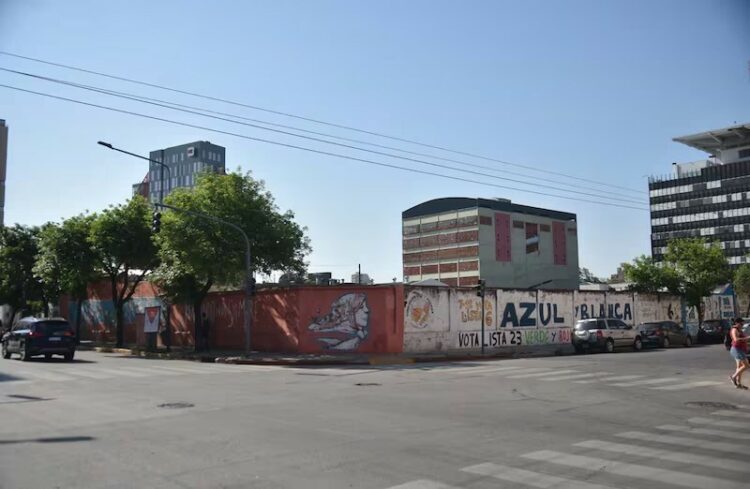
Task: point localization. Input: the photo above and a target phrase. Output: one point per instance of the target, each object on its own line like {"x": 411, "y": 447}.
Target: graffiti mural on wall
{"x": 419, "y": 310}
{"x": 347, "y": 324}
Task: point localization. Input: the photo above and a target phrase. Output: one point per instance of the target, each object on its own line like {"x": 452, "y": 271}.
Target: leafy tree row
{"x": 691, "y": 268}
{"x": 185, "y": 259}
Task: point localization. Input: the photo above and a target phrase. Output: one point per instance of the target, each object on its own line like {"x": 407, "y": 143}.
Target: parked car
{"x": 604, "y": 335}
{"x": 663, "y": 334}
{"x": 713, "y": 330}
{"x": 34, "y": 336}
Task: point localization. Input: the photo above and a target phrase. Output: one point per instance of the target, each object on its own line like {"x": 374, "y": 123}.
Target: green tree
{"x": 125, "y": 253}
{"x": 742, "y": 283}
{"x": 587, "y": 276}
{"x": 19, "y": 288}
{"x": 67, "y": 260}
{"x": 197, "y": 253}
{"x": 699, "y": 267}
{"x": 646, "y": 276}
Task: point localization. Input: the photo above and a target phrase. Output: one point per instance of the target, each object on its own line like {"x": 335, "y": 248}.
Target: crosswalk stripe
{"x": 87, "y": 373}
{"x": 423, "y": 484}
{"x": 688, "y": 385}
{"x": 122, "y": 373}
{"x": 529, "y": 478}
{"x": 475, "y": 370}
{"x": 600, "y": 465}
{"x": 645, "y": 382}
{"x": 41, "y": 374}
{"x": 731, "y": 414}
{"x": 670, "y": 455}
{"x": 704, "y": 431}
{"x": 610, "y": 379}
{"x": 542, "y": 374}
{"x": 719, "y": 446}
{"x": 570, "y": 377}
{"x": 719, "y": 422}
{"x": 149, "y": 370}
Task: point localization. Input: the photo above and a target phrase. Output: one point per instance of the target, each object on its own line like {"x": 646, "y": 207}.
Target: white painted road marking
{"x": 670, "y": 455}
{"x": 719, "y": 446}
{"x": 719, "y": 422}
{"x": 529, "y": 478}
{"x": 704, "y": 431}
{"x": 732, "y": 414}
{"x": 645, "y": 382}
{"x": 542, "y": 374}
{"x": 570, "y": 377}
{"x": 423, "y": 484}
{"x": 688, "y": 385}
{"x": 610, "y": 379}
{"x": 636, "y": 471}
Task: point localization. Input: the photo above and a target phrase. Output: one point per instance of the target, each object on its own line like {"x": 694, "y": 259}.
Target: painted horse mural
{"x": 346, "y": 326}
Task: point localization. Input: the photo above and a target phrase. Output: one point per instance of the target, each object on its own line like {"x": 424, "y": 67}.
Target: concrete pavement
{"x": 595, "y": 421}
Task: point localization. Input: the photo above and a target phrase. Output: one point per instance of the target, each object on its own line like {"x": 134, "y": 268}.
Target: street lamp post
{"x": 162, "y": 165}
{"x": 248, "y": 309}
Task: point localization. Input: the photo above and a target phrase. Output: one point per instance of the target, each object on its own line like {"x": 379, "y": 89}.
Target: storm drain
{"x": 366, "y": 384}
{"x": 176, "y": 405}
{"x": 710, "y": 405}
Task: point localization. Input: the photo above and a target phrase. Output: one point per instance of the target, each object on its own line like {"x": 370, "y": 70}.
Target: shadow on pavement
{"x": 58, "y": 439}
{"x": 8, "y": 378}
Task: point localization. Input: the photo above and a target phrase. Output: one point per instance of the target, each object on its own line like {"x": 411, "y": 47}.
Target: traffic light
{"x": 480, "y": 288}
{"x": 156, "y": 222}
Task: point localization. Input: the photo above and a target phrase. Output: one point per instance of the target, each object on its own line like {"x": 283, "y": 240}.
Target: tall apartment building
{"x": 460, "y": 240}
{"x": 185, "y": 162}
{"x": 3, "y": 167}
{"x": 708, "y": 198}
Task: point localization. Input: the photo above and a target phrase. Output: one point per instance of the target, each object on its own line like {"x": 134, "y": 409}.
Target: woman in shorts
{"x": 739, "y": 353}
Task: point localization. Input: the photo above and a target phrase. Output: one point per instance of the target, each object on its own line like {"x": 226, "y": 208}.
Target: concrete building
{"x": 185, "y": 162}
{"x": 708, "y": 198}
{"x": 3, "y": 167}
{"x": 460, "y": 240}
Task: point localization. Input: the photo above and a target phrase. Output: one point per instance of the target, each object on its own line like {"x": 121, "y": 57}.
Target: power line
{"x": 311, "y": 150}
{"x": 308, "y": 119}
{"x": 175, "y": 106}
{"x": 310, "y": 138}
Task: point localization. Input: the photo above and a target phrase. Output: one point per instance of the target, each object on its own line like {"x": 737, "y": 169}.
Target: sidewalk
{"x": 308, "y": 359}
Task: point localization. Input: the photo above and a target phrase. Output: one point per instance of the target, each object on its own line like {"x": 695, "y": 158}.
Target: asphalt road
{"x": 623, "y": 420}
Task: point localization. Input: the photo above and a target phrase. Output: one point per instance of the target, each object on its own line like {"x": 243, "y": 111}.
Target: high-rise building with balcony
{"x": 708, "y": 198}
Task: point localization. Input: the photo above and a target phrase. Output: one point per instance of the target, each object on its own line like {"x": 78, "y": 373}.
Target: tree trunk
{"x": 168, "y": 328}
{"x": 747, "y": 314}
{"x": 198, "y": 324}
{"x": 119, "y": 327}
{"x": 79, "y": 308}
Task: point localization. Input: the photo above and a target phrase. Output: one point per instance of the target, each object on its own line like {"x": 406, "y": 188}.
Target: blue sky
{"x": 585, "y": 87}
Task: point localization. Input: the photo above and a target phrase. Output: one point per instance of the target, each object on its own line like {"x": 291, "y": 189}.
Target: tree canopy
{"x": 19, "y": 288}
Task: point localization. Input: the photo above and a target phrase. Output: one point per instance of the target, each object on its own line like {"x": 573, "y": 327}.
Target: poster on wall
{"x": 151, "y": 319}
{"x": 427, "y": 309}
{"x": 466, "y": 311}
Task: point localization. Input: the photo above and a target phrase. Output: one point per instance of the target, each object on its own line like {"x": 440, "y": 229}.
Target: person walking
{"x": 738, "y": 351}
{"x": 205, "y": 327}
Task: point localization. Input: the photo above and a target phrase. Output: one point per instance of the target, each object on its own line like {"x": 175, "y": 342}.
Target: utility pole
{"x": 248, "y": 309}
{"x": 359, "y": 274}
{"x": 480, "y": 288}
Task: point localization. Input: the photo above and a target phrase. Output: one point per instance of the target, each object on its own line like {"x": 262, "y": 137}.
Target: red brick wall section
{"x": 462, "y": 252}
{"x": 410, "y": 244}
{"x": 448, "y": 267}
{"x": 453, "y": 282}
{"x": 467, "y": 236}
{"x": 468, "y": 281}
{"x": 429, "y": 241}
{"x": 468, "y": 266}
{"x": 449, "y": 238}
{"x": 412, "y": 270}
{"x": 429, "y": 269}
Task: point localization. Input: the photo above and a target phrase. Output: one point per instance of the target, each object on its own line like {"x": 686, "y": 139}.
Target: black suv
{"x": 40, "y": 336}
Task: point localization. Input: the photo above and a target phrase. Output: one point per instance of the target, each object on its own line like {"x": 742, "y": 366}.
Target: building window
{"x": 744, "y": 153}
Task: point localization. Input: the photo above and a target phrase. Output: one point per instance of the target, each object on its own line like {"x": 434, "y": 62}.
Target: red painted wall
{"x": 363, "y": 319}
